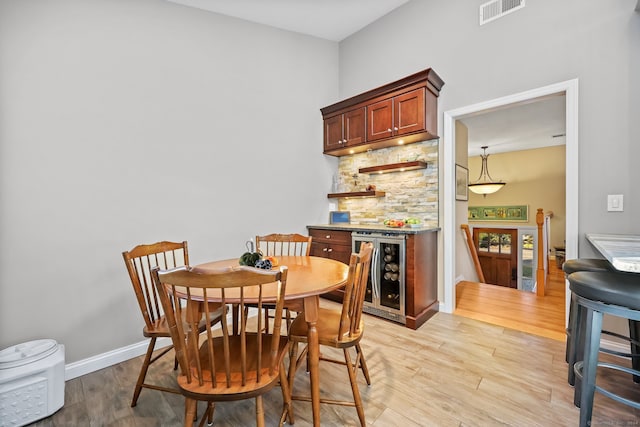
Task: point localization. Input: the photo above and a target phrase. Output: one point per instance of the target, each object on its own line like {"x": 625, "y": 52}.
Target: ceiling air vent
{"x": 498, "y": 8}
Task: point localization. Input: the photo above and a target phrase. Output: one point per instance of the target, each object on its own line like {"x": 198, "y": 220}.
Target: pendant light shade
{"x": 485, "y": 184}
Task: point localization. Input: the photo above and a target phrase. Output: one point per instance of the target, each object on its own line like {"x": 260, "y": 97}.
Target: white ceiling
{"x": 328, "y": 19}
{"x": 521, "y": 127}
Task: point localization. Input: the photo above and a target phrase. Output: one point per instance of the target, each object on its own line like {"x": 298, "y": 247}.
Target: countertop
{"x": 374, "y": 228}
{"x": 622, "y": 250}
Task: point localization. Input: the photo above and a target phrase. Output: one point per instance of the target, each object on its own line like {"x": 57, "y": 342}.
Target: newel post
{"x": 540, "y": 276}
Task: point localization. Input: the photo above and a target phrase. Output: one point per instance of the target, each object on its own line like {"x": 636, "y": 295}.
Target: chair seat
{"x": 611, "y": 288}
{"x": 586, "y": 264}
{"x": 234, "y": 390}
{"x": 328, "y": 326}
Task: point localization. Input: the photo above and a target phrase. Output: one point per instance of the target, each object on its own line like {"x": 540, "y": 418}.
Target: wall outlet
{"x": 615, "y": 203}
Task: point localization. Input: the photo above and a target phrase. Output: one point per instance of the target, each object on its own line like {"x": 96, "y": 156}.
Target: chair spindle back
{"x": 140, "y": 261}
{"x": 222, "y": 360}
{"x": 354, "y": 291}
{"x": 284, "y": 244}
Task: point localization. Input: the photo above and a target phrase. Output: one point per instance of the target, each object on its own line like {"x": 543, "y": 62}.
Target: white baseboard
{"x": 104, "y": 360}
{"x": 110, "y": 358}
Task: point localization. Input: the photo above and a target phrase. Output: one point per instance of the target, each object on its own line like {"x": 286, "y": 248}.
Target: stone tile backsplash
{"x": 408, "y": 194}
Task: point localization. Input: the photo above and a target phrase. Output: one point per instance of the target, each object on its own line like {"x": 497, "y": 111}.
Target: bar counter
{"x": 622, "y": 250}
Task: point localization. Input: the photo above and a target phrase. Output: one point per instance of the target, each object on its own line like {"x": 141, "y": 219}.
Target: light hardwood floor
{"x": 523, "y": 311}
{"x": 453, "y": 371}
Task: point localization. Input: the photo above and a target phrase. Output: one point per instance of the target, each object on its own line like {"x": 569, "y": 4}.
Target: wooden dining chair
{"x": 225, "y": 364}
{"x": 140, "y": 261}
{"x": 284, "y": 244}
{"x": 341, "y": 329}
{"x": 276, "y": 245}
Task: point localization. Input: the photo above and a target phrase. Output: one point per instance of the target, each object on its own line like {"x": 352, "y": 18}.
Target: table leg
{"x": 311, "y": 305}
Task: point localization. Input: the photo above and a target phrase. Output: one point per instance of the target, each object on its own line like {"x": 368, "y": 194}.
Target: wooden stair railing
{"x": 474, "y": 253}
{"x": 540, "y": 275}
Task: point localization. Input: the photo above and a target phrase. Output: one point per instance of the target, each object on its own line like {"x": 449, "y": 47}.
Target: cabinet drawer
{"x": 331, "y": 236}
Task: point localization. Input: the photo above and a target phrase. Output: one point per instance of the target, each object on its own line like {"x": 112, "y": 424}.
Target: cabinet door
{"x": 333, "y": 133}
{"x": 354, "y": 130}
{"x": 380, "y": 116}
{"x": 409, "y": 112}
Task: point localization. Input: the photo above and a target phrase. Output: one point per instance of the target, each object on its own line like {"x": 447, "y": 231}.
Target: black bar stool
{"x": 595, "y": 294}
{"x": 572, "y": 266}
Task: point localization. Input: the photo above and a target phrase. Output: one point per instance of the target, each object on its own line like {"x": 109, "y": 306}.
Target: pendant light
{"x": 485, "y": 184}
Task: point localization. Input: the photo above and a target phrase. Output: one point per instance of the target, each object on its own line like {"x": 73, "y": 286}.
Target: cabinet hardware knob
{"x": 330, "y": 250}
{"x": 328, "y": 236}
{"x": 389, "y": 130}
{"x": 344, "y": 140}
{"x": 324, "y": 250}
{"x": 396, "y": 129}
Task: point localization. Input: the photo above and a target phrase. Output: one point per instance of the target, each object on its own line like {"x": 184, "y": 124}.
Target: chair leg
{"x": 189, "y": 411}
{"x": 259, "y": 412}
{"x": 363, "y": 364}
{"x": 143, "y": 371}
{"x": 354, "y": 386}
{"x": 288, "y": 317}
{"x": 575, "y": 342}
{"x": 210, "y": 408}
{"x": 569, "y": 331}
{"x": 266, "y": 320}
{"x": 287, "y": 410}
{"x": 293, "y": 363}
{"x": 634, "y": 336}
{"x": 234, "y": 318}
{"x": 590, "y": 365}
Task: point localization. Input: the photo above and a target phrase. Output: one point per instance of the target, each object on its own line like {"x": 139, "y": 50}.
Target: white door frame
{"x": 570, "y": 89}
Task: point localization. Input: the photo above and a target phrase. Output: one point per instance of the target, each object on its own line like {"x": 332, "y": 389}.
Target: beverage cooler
{"x": 385, "y": 295}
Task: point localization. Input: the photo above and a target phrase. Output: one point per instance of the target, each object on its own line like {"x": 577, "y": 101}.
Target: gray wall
{"x": 596, "y": 41}
{"x": 127, "y": 122}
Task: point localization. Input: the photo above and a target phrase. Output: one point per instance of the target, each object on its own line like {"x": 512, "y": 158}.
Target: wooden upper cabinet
{"x": 354, "y": 126}
{"x": 409, "y": 112}
{"x": 405, "y": 109}
{"x": 399, "y": 115}
{"x": 333, "y": 132}
{"x": 380, "y": 120}
{"x": 344, "y": 130}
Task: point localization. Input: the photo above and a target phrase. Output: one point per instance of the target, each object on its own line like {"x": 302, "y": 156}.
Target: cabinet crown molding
{"x": 434, "y": 84}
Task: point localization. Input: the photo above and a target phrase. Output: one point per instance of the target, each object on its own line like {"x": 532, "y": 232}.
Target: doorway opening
{"x": 453, "y": 243}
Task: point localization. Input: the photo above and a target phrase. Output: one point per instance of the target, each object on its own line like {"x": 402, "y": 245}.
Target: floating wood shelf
{"x": 395, "y": 167}
{"x": 356, "y": 194}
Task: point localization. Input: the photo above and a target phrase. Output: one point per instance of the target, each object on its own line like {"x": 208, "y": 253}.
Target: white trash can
{"x": 31, "y": 382}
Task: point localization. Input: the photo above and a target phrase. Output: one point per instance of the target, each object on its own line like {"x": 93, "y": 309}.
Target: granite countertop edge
{"x": 374, "y": 228}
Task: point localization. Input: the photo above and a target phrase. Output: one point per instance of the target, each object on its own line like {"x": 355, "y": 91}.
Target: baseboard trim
{"x": 110, "y": 358}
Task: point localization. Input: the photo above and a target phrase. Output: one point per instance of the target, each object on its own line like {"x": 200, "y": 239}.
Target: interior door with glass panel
{"x": 498, "y": 255}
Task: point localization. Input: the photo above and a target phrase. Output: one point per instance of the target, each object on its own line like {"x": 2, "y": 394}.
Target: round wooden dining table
{"x": 308, "y": 277}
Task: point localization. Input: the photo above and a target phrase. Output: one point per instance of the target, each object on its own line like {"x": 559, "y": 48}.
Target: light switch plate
{"x": 615, "y": 203}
